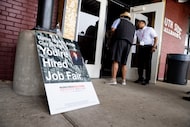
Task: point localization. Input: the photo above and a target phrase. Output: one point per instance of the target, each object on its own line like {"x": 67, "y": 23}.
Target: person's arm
{"x": 155, "y": 36}
{"x": 115, "y": 24}
{"x": 135, "y": 38}
{"x": 154, "y": 47}
{"x": 113, "y": 28}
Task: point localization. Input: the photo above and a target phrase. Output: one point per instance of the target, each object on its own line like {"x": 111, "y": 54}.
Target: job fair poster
{"x": 67, "y": 83}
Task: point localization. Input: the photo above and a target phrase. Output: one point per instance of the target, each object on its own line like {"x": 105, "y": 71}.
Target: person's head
{"x": 141, "y": 24}
{"x": 74, "y": 54}
{"x": 126, "y": 15}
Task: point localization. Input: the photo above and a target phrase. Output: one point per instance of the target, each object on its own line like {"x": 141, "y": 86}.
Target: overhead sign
{"x": 172, "y": 28}
{"x": 67, "y": 83}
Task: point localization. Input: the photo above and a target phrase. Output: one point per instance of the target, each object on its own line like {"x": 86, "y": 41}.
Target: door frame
{"x": 159, "y": 9}
{"x": 94, "y": 69}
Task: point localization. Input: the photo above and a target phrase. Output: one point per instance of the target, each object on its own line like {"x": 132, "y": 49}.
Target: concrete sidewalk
{"x": 159, "y": 105}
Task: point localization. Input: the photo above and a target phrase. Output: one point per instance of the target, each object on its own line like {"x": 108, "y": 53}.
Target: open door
{"x": 154, "y": 15}
{"x": 90, "y": 33}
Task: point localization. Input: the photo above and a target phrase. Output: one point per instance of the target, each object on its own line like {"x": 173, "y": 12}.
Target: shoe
{"x": 186, "y": 98}
{"x": 112, "y": 82}
{"x": 144, "y": 82}
{"x": 123, "y": 83}
{"x": 138, "y": 81}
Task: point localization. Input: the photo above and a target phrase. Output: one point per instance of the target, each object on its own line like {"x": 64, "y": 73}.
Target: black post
{"x": 44, "y": 16}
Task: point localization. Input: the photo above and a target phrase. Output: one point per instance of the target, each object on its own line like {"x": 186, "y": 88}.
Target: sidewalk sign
{"x": 67, "y": 83}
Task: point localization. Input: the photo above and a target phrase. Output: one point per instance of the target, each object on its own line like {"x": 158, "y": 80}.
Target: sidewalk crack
{"x": 74, "y": 124}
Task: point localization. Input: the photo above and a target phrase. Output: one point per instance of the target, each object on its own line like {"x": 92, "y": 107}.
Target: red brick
{"x": 31, "y": 12}
{"x": 12, "y": 14}
{"x": 34, "y": 4}
{"x": 27, "y": 14}
{"x": 12, "y": 28}
{"x": 16, "y": 33}
{"x": 14, "y": 2}
{"x": 5, "y": 64}
{"x": 6, "y": 31}
{"x": 20, "y": 25}
{"x": 3, "y": 43}
{"x": 2, "y": 54}
{"x": 7, "y": 46}
{"x": 5, "y": 49}
{"x": 4, "y": 59}
{"x": 12, "y": 45}
{"x": 22, "y": 1}
{"x": 27, "y": 22}
{"x": 2, "y": 34}
{"x": 4, "y": 13}
{"x": 11, "y": 36}
{"x": 2, "y": 26}
{"x": 31, "y": 26}
{"x": 19, "y": 16}
{"x": 19, "y": 8}
{"x": 3, "y": 17}
{"x": 6, "y": 22}
{"x": 13, "y": 10}
{"x": 14, "y": 19}
{"x": 29, "y": 19}
{"x": 29, "y": 7}
{"x": 3, "y": 76}
{"x": 15, "y": 41}
{"x": 6, "y": 40}
{"x": 2, "y": 7}
{"x": 2, "y": 72}
{"x": 5, "y": 4}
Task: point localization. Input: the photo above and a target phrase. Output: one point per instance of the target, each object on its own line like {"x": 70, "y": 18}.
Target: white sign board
{"x": 67, "y": 83}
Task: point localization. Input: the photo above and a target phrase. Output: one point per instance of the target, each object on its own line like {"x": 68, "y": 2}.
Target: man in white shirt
{"x": 147, "y": 39}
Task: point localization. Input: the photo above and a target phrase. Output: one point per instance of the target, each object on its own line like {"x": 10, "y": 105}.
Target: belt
{"x": 146, "y": 45}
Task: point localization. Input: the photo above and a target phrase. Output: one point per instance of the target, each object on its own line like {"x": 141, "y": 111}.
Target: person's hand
{"x": 153, "y": 49}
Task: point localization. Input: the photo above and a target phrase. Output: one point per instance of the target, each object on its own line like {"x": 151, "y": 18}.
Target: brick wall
{"x": 15, "y": 16}
{"x": 170, "y": 44}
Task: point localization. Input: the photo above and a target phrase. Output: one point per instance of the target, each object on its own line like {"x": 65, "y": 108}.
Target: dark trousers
{"x": 144, "y": 61}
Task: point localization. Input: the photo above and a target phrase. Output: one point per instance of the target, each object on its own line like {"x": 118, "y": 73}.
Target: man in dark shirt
{"x": 123, "y": 31}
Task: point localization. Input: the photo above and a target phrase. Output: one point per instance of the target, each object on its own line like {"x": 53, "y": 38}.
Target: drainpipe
{"x": 44, "y": 16}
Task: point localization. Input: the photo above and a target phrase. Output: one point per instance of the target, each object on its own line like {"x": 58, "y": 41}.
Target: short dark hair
{"x": 143, "y": 21}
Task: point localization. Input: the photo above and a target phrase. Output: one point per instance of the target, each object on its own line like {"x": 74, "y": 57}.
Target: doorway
{"x": 149, "y": 18}
{"x": 153, "y": 14}
{"x": 115, "y": 8}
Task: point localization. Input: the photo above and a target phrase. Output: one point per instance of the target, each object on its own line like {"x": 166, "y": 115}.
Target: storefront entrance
{"x": 114, "y": 10}
{"x": 152, "y": 13}
{"x": 95, "y": 18}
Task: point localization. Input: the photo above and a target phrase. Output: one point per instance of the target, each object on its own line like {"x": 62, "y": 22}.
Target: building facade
{"x": 19, "y": 15}
{"x": 175, "y": 32}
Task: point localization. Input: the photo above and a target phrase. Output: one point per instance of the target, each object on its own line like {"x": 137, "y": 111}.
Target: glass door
{"x": 90, "y": 33}
{"x": 153, "y": 14}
